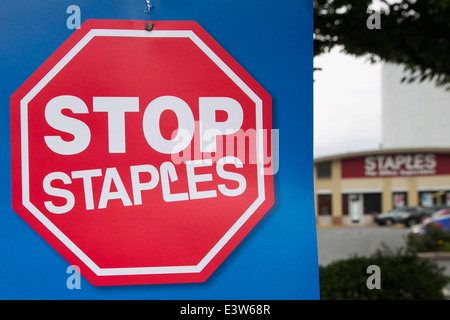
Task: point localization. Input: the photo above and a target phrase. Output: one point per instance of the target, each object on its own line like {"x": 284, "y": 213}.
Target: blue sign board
{"x": 272, "y": 41}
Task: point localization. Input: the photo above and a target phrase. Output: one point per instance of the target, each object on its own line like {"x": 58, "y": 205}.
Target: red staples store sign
{"x": 396, "y": 165}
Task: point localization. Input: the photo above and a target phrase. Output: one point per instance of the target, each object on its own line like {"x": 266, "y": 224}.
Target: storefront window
{"x": 324, "y": 170}
{"x": 324, "y": 204}
{"x": 399, "y": 199}
{"x": 426, "y": 199}
{"x": 345, "y": 204}
{"x": 372, "y": 203}
{"x": 431, "y": 198}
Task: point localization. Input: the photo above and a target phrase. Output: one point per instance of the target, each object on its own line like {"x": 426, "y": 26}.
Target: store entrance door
{"x": 355, "y": 206}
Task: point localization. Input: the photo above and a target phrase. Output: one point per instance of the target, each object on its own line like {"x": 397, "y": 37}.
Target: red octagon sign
{"x": 141, "y": 156}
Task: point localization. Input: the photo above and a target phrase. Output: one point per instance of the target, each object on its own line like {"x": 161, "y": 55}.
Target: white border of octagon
{"x": 60, "y": 235}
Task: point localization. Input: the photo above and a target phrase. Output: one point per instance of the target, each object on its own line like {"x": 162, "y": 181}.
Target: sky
{"x": 347, "y": 104}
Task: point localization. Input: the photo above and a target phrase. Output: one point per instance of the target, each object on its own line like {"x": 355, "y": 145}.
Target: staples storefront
{"x": 352, "y": 188}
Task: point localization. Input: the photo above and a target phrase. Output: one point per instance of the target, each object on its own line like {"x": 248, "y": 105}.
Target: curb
{"x": 434, "y": 255}
{"x": 327, "y": 226}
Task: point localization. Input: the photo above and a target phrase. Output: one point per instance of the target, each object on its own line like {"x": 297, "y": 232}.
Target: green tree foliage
{"x": 414, "y": 33}
{"x": 403, "y": 276}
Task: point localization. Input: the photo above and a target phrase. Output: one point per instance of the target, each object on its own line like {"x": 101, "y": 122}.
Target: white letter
{"x": 168, "y": 171}
{"x": 408, "y": 163}
{"x": 209, "y": 127}
{"x": 121, "y": 193}
{"x": 87, "y": 184}
{"x": 370, "y": 163}
{"x": 186, "y": 153}
{"x": 264, "y": 158}
{"x": 193, "y": 179}
{"x": 380, "y": 162}
{"x": 231, "y": 176}
{"x": 430, "y": 161}
{"x": 73, "y": 22}
{"x": 152, "y": 131}
{"x": 116, "y": 108}
{"x": 389, "y": 163}
{"x": 136, "y": 183}
{"x": 418, "y": 161}
{"x": 374, "y": 21}
{"x": 373, "y": 282}
{"x": 58, "y": 121}
{"x": 399, "y": 161}
{"x": 74, "y": 281}
{"x": 66, "y": 194}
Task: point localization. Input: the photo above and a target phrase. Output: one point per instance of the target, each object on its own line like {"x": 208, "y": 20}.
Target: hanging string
{"x": 148, "y": 25}
{"x": 149, "y": 7}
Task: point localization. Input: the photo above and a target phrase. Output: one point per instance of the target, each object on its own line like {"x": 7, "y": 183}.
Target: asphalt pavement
{"x": 335, "y": 243}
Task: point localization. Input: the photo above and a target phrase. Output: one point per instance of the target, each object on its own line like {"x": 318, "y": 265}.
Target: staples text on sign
{"x": 116, "y": 109}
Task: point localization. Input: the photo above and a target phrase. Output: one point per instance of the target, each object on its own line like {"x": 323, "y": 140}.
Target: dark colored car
{"x": 413, "y": 217}
{"x": 391, "y": 217}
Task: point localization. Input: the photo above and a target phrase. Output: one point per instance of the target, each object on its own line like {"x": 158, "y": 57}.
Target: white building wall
{"x": 413, "y": 115}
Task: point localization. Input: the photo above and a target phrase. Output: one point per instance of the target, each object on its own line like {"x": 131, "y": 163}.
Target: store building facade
{"x": 351, "y": 188}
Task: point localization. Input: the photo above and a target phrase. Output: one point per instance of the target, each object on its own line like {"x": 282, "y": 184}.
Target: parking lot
{"x": 336, "y": 243}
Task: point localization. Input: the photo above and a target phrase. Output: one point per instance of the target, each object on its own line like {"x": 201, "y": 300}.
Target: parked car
{"x": 391, "y": 217}
{"x": 442, "y": 222}
{"x": 441, "y": 219}
{"x": 413, "y": 217}
{"x": 441, "y": 213}
{"x": 435, "y": 209}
